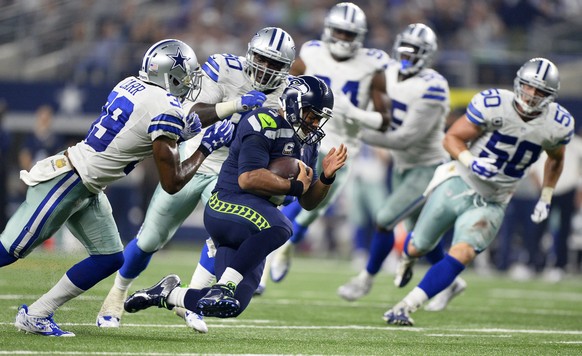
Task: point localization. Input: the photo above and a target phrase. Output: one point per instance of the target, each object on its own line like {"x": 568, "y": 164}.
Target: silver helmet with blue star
{"x": 172, "y": 65}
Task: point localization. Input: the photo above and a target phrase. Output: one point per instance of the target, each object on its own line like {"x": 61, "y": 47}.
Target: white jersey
{"x": 352, "y": 76}
{"x": 515, "y": 144}
{"x": 420, "y": 105}
{"x": 224, "y": 80}
{"x": 136, "y": 113}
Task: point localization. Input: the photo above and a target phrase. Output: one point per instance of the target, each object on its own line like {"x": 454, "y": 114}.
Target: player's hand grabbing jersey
{"x": 224, "y": 80}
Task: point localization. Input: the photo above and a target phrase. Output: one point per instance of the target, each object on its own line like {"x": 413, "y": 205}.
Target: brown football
{"x": 285, "y": 167}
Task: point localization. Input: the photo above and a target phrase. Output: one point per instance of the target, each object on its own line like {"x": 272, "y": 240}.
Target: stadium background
{"x": 68, "y": 55}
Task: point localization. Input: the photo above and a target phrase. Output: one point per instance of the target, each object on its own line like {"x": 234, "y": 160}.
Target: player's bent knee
{"x": 463, "y": 252}
{"x": 150, "y": 245}
{"x": 418, "y": 249}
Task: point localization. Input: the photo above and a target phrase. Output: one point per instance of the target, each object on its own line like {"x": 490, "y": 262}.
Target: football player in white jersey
{"x": 232, "y": 86}
{"x": 143, "y": 117}
{"x": 501, "y": 135}
{"x": 420, "y": 105}
{"x": 356, "y": 76}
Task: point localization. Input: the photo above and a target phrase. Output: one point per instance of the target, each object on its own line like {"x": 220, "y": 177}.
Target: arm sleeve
{"x": 414, "y": 128}
{"x": 254, "y": 153}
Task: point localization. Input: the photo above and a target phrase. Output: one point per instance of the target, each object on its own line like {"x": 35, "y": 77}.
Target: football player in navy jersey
{"x": 232, "y": 86}
{"x": 143, "y": 117}
{"x": 242, "y": 215}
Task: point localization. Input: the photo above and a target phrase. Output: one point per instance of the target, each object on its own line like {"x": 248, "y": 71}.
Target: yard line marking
{"x": 26, "y": 352}
{"x": 466, "y": 335}
{"x": 33, "y": 297}
{"x": 564, "y": 342}
{"x": 324, "y": 303}
{"x": 247, "y": 324}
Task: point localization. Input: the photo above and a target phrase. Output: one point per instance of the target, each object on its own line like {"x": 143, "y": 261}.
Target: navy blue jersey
{"x": 277, "y": 139}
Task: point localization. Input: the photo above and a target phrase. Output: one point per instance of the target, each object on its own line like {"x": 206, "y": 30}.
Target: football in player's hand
{"x": 285, "y": 167}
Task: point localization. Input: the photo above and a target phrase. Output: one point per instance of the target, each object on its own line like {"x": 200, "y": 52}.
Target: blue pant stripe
{"x": 43, "y": 212}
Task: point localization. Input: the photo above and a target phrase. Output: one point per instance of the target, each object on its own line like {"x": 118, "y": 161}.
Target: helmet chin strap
{"x": 520, "y": 109}
{"x": 302, "y": 135}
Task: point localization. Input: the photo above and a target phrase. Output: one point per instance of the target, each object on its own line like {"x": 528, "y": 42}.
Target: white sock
{"x": 61, "y": 293}
{"x": 266, "y": 270}
{"x": 230, "y": 275}
{"x": 416, "y": 298}
{"x": 201, "y": 278}
{"x": 122, "y": 283}
{"x": 176, "y": 297}
{"x": 365, "y": 275}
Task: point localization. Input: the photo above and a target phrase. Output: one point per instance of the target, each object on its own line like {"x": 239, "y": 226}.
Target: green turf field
{"x": 303, "y": 315}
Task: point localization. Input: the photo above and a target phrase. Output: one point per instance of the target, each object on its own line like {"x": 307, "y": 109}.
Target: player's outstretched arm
{"x": 211, "y": 113}
{"x": 174, "y": 175}
{"x": 332, "y": 162}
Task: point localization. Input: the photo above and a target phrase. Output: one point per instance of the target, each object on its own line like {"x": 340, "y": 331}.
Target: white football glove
{"x": 342, "y": 105}
{"x": 541, "y": 212}
{"x": 484, "y": 167}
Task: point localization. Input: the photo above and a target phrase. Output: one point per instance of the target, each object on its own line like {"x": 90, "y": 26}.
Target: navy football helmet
{"x": 304, "y": 95}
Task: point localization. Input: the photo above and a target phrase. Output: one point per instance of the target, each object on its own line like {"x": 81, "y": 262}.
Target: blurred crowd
{"x": 103, "y": 41}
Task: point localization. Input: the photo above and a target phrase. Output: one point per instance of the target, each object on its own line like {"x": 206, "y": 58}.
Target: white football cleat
{"x": 39, "y": 325}
{"x": 356, "y": 287}
{"x": 107, "y": 321}
{"x": 399, "y": 315}
{"x": 404, "y": 270}
{"x": 112, "y": 309}
{"x": 281, "y": 262}
{"x": 193, "y": 320}
{"x": 440, "y": 301}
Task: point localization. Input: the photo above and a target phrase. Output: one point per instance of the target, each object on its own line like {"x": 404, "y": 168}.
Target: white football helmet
{"x": 414, "y": 48}
{"x": 346, "y": 17}
{"x": 541, "y": 74}
{"x": 272, "y": 45}
{"x": 172, "y": 65}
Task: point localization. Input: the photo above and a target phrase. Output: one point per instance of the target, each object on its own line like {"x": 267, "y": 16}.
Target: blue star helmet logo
{"x": 178, "y": 59}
